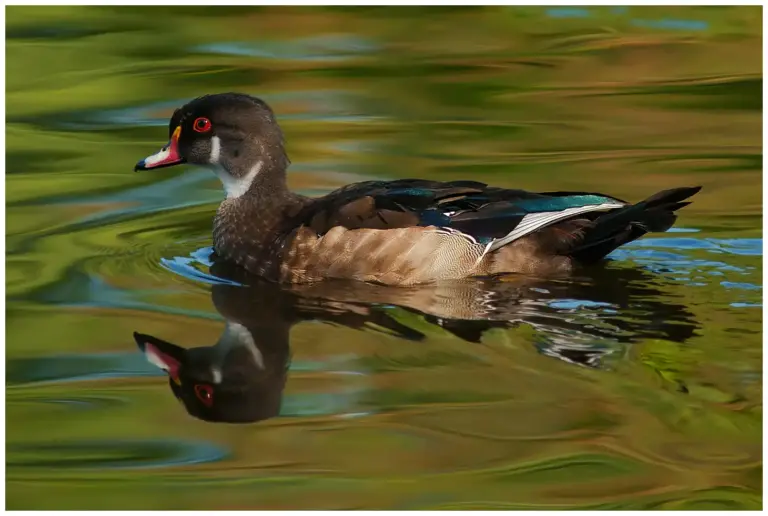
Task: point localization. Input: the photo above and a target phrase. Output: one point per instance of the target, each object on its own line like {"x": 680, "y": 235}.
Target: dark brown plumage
{"x": 400, "y": 232}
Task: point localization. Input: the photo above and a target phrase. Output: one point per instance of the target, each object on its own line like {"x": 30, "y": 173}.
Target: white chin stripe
{"x": 237, "y": 186}
{"x": 215, "y": 150}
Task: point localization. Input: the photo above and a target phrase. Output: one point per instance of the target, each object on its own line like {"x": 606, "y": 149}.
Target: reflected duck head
{"x": 230, "y": 382}
{"x": 234, "y": 134}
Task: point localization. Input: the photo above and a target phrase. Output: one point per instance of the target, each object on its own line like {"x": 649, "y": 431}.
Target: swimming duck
{"x": 402, "y": 232}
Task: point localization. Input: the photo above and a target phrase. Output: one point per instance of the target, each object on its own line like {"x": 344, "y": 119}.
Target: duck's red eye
{"x": 205, "y": 394}
{"x": 202, "y": 125}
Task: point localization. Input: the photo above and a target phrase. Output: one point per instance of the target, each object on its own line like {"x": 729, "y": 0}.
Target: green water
{"x": 637, "y": 386}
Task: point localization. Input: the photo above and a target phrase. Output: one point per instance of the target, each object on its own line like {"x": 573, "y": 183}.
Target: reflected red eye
{"x": 202, "y": 125}
{"x": 205, "y": 394}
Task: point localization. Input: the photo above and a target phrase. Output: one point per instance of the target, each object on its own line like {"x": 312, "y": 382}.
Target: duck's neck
{"x": 249, "y": 219}
{"x": 263, "y": 178}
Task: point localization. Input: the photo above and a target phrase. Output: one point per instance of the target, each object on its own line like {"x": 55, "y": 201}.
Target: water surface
{"x": 634, "y": 385}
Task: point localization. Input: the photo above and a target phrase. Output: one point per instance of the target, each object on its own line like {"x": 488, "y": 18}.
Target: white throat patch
{"x": 234, "y": 335}
{"x": 236, "y": 186}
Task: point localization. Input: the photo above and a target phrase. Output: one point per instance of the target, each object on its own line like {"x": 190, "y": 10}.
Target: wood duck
{"x": 242, "y": 377}
{"x": 402, "y": 232}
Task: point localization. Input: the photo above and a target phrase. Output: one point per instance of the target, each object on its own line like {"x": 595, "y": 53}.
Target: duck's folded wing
{"x": 472, "y": 209}
{"x": 386, "y": 204}
{"x": 414, "y": 231}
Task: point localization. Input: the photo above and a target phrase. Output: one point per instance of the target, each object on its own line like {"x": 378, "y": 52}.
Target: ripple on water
{"x": 80, "y": 402}
{"x": 682, "y": 230}
{"x": 662, "y": 23}
{"x": 344, "y": 402}
{"x": 80, "y": 367}
{"x": 304, "y": 105}
{"x": 742, "y": 246}
{"x": 114, "y": 454}
{"x": 670, "y": 256}
{"x": 742, "y": 286}
{"x": 576, "y": 304}
{"x": 329, "y": 47}
{"x": 89, "y": 289}
{"x": 101, "y": 366}
{"x": 158, "y": 196}
{"x": 192, "y": 267}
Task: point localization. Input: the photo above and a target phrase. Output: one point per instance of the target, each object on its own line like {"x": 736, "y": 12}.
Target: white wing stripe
{"x": 534, "y": 221}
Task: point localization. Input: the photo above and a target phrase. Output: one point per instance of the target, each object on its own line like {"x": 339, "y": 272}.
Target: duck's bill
{"x": 168, "y": 156}
{"x": 168, "y": 357}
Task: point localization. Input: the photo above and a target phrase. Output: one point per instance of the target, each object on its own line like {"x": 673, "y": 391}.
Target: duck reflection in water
{"x": 241, "y": 378}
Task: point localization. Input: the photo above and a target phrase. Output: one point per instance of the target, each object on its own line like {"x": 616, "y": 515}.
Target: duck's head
{"x": 234, "y": 134}
{"x": 231, "y": 382}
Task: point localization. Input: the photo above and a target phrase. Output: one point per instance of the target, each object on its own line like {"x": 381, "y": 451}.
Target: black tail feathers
{"x": 614, "y": 229}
